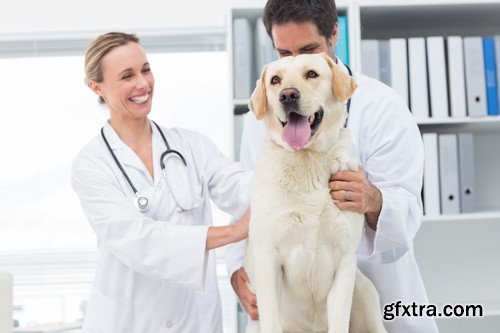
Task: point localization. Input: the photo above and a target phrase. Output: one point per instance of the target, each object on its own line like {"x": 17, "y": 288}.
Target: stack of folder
{"x": 439, "y": 77}
{"x": 448, "y": 174}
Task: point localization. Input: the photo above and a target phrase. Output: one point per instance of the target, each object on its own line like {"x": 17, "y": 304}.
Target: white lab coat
{"x": 387, "y": 142}
{"x": 154, "y": 274}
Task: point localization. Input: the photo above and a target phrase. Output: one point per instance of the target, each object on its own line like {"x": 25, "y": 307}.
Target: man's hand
{"x": 239, "y": 281}
{"x": 351, "y": 190}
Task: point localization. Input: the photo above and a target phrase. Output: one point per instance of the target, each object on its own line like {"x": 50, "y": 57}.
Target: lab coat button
{"x": 170, "y": 324}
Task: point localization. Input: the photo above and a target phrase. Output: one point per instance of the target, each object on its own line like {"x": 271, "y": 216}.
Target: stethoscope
{"x": 142, "y": 202}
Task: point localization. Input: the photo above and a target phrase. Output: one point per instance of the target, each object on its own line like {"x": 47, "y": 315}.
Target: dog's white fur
{"x": 301, "y": 253}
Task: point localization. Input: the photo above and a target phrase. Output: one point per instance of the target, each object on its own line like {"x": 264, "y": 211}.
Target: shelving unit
{"x": 458, "y": 255}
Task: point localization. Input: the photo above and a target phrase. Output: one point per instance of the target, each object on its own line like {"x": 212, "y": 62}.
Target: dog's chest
{"x": 309, "y": 251}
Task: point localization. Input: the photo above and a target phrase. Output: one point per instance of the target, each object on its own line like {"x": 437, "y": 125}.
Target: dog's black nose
{"x": 289, "y": 95}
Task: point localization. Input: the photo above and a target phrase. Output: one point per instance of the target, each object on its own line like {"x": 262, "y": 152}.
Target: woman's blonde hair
{"x": 98, "y": 48}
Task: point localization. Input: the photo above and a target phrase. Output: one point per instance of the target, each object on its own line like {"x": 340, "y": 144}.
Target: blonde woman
{"x": 146, "y": 192}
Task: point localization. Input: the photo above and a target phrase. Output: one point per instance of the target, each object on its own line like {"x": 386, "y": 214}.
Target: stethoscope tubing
{"x": 142, "y": 202}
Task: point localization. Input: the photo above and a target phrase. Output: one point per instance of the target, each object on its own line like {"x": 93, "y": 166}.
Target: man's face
{"x": 294, "y": 38}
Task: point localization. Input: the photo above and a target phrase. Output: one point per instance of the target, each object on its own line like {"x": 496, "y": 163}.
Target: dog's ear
{"x": 343, "y": 84}
{"x": 258, "y": 100}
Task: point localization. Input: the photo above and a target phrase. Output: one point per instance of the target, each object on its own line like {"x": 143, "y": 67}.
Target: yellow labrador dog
{"x": 301, "y": 253}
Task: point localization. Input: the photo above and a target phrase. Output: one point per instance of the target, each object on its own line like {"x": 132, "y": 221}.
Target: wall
{"x": 39, "y": 16}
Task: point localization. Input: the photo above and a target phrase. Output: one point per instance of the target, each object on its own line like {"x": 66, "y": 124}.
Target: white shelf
{"x": 480, "y": 216}
{"x": 490, "y": 309}
{"x": 455, "y": 125}
{"x": 466, "y": 120}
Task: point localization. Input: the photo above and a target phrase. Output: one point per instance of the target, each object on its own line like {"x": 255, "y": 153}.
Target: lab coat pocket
{"x": 107, "y": 315}
{"x": 393, "y": 279}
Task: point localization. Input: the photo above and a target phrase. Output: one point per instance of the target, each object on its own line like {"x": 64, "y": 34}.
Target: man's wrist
{"x": 373, "y": 213}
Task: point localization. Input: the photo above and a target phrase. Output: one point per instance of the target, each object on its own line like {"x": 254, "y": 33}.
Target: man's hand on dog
{"x": 351, "y": 190}
{"x": 239, "y": 281}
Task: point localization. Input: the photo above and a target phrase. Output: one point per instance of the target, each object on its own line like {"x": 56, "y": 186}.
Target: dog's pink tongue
{"x": 297, "y": 131}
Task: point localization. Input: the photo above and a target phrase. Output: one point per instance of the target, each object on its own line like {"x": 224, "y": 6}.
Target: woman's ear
{"x": 95, "y": 87}
{"x": 343, "y": 84}
{"x": 258, "y": 100}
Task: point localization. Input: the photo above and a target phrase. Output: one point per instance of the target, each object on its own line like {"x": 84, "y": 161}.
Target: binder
{"x": 242, "y": 40}
{"x": 238, "y": 131}
{"x": 385, "y": 61}
{"x": 456, "y": 77}
{"x": 417, "y": 63}
{"x": 438, "y": 86}
{"x": 497, "y": 61}
{"x": 265, "y": 52}
{"x": 399, "y": 67}
{"x": 475, "y": 81}
{"x": 370, "y": 58}
{"x": 432, "y": 205}
{"x": 490, "y": 75}
{"x": 448, "y": 174}
{"x": 342, "y": 47}
{"x": 466, "y": 167}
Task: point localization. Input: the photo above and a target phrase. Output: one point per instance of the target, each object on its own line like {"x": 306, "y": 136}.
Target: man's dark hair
{"x": 323, "y": 13}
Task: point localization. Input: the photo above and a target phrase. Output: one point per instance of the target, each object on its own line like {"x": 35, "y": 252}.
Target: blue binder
{"x": 342, "y": 47}
{"x": 491, "y": 75}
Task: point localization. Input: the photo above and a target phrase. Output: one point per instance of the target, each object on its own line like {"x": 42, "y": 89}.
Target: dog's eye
{"x": 311, "y": 74}
{"x": 275, "y": 79}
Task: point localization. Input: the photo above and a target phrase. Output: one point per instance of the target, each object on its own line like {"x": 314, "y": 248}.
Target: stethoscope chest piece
{"x": 141, "y": 203}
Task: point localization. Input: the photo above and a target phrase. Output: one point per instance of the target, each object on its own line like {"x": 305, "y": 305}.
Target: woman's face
{"x": 128, "y": 82}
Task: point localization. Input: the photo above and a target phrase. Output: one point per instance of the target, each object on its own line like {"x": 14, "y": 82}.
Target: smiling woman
{"x": 57, "y": 114}
{"x": 145, "y": 235}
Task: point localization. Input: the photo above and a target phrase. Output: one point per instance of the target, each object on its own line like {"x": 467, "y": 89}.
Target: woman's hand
{"x": 240, "y": 228}
{"x": 220, "y": 236}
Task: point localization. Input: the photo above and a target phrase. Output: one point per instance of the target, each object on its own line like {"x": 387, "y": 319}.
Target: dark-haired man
{"x": 387, "y": 187}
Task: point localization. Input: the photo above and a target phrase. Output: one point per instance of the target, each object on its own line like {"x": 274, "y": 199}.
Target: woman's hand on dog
{"x": 363, "y": 197}
{"x": 239, "y": 281}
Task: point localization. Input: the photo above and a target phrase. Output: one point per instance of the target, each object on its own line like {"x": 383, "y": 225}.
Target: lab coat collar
{"x": 127, "y": 156}
{"x": 342, "y": 66}
{"x": 113, "y": 139}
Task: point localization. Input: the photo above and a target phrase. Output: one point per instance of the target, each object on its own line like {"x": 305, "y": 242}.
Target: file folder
{"x": 448, "y": 174}
{"x": 490, "y": 75}
{"x": 419, "y": 95}
{"x": 497, "y": 61}
{"x": 475, "y": 81}
{"x": 385, "y": 61}
{"x": 265, "y": 52}
{"x": 466, "y": 167}
{"x": 399, "y": 67}
{"x": 437, "y": 77}
{"x": 456, "y": 77}
{"x": 431, "y": 200}
{"x": 342, "y": 47}
{"x": 370, "y": 58}
{"x": 242, "y": 39}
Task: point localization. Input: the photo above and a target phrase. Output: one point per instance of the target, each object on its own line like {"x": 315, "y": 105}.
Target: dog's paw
{"x": 344, "y": 162}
